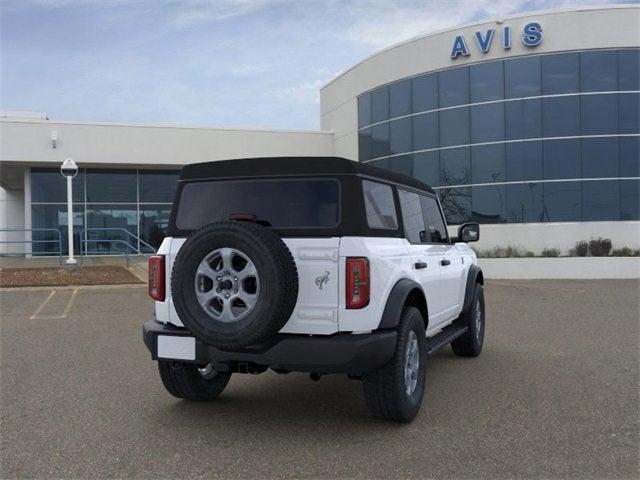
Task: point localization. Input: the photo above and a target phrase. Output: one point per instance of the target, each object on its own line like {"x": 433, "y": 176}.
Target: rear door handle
{"x": 445, "y": 262}
{"x": 419, "y": 265}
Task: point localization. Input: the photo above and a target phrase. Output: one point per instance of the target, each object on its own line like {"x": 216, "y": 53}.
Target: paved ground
{"x": 554, "y": 394}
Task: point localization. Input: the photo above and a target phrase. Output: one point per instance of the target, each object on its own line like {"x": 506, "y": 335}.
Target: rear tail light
{"x": 358, "y": 285}
{"x": 156, "y": 277}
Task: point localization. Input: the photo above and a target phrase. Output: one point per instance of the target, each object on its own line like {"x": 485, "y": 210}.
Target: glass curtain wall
{"x": 112, "y": 208}
{"x": 541, "y": 138}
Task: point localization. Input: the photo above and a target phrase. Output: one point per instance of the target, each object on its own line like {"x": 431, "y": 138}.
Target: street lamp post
{"x": 69, "y": 169}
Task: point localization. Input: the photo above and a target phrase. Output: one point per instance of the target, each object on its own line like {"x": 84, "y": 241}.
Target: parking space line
{"x": 66, "y": 309}
{"x": 42, "y": 305}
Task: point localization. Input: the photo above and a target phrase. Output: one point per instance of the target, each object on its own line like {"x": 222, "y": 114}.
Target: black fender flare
{"x": 397, "y": 300}
{"x": 474, "y": 276}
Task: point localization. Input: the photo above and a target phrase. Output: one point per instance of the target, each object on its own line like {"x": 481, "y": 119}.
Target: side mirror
{"x": 469, "y": 232}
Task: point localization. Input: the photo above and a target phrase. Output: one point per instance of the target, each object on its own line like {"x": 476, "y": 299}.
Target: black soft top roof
{"x": 292, "y": 166}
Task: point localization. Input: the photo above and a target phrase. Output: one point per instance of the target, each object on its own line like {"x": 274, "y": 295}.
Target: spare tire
{"x": 234, "y": 284}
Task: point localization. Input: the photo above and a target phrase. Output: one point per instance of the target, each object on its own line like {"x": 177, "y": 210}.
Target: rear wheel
{"x": 470, "y": 344}
{"x": 188, "y": 381}
{"x": 395, "y": 391}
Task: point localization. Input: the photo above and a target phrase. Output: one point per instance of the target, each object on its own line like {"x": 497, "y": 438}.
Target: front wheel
{"x": 188, "y": 381}
{"x": 395, "y": 391}
{"x": 470, "y": 344}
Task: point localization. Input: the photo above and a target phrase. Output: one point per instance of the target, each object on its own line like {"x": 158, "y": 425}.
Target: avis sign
{"x": 531, "y": 37}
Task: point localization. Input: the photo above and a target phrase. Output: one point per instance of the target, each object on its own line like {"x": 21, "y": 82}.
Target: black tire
{"x": 183, "y": 380}
{"x": 278, "y": 284}
{"x": 470, "y": 344}
{"x": 385, "y": 390}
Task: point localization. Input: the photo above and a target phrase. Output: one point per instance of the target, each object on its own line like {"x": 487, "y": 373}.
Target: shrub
{"x": 550, "y": 252}
{"x": 505, "y": 252}
{"x": 600, "y": 247}
{"x": 625, "y": 252}
{"x": 581, "y": 248}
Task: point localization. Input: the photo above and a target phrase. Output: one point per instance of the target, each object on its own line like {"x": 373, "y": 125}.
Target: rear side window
{"x": 436, "y": 229}
{"x": 412, "y": 217}
{"x": 284, "y": 203}
{"x": 379, "y": 205}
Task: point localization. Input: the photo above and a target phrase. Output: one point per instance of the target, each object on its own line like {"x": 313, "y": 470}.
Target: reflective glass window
{"x": 401, "y": 164}
{"x": 629, "y": 69}
{"x": 379, "y": 205}
{"x": 523, "y": 119}
{"x": 487, "y": 204}
{"x": 380, "y": 140}
{"x": 380, "y": 104}
{"x": 412, "y": 219}
{"x": 523, "y": 161}
{"x": 53, "y": 217}
{"x": 599, "y": 71}
{"x": 111, "y": 186}
{"x": 600, "y": 200}
{"x": 562, "y": 201}
{"x": 600, "y": 157}
{"x": 454, "y": 87}
{"x": 487, "y": 123}
{"x": 454, "y": 166}
{"x": 158, "y": 187}
{"x": 365, "y": 144}
{"x": 113, "y": 222}
{"x": 629, "y": 200}
{"x": 560, "y": 73}
{"x": 629, "y": 112}
{"x": 487, "y": 163}
{"x": 426, "y": 167}
{"x": 561, "y": 116}
{"x": 364, "y": 110}
{"x": 382, "y": 163}
{"x": 630, "y": 157}
{"x": 48, "y": 185}
{"x": 454, "y": 126}
{"x": 424, "y": 94}
{"x": 400, "y": 135}
{"x": 524, "y": 203}
{"x": 522, "y": 77}
{"x": 599, "y": 114}
{"x": 487, "y": 81}
{"x": 456, "y": 204}
{"x": 561, "y": 159}
{"x": 154, "y": 220}
{"x": 400, "y": 98}
{"x": 425, "y": 131}
{"x": 436, "y": 229}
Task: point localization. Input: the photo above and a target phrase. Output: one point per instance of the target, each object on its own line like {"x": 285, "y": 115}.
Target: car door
{"x": 451, "y": 266}
{"x": 425, "y": 257}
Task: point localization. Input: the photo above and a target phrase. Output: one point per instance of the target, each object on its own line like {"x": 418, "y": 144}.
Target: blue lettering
{"x": 485, "y": 42}
{"x": 532, "y": 34}
{"x": 506, "y": 38}
{"x": 459, "y": 47}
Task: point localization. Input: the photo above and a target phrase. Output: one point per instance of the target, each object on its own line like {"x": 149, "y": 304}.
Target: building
{"x": 528, "y": 124}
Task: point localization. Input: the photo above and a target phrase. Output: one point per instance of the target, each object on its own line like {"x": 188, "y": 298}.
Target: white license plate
{"x": 176, "y": 348}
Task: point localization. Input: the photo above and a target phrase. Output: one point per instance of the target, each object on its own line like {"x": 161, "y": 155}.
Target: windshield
{"x": 283, "y": 203}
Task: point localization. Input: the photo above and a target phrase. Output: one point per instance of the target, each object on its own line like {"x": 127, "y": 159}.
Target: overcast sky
{"x": 246, "y": 63}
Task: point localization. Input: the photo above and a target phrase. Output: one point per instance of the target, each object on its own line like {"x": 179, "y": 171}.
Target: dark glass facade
{"x": 542, "y": 138}
{"x": 113, "y": 201}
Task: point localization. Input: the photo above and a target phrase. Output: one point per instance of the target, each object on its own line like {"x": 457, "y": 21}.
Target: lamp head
{"x": 69, "y": 168}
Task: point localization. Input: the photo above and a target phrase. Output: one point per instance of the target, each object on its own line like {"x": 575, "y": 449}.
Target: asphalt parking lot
{"x": 553, "y": 395}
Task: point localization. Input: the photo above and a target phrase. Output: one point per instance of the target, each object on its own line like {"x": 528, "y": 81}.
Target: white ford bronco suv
{"x": 318, "y": 265}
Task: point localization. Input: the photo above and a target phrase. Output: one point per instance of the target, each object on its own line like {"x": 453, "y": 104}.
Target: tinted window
{"x": 116, "y": 218}
{"x": 365, "y": 144}
{"x": 600, "y": 201}
{"x": 426, "y": 167}
{"x": 425, "y": 92}
{"x": 487, "y": 164}
{"x": 561, "y": 116}
{"x": 599, "y": 114}
{"x": 436, "y": 230}
{"x": 600, "y": 157}
{"x": 158, "y": 187}
{"x": 523, "y": 161}
{"x": 487, "y": 82}
{"x": 630, "y": 157}
{"x": 154, "y": 220}
{"x": 401, "y": 164}
{"x": 425, "y": 131}
{"x": 50, "y": 186}
{"x": 380, "y": 140}
{"x": 454, "y": 166}
{"x": 562, "y": 201}
{"x": 52, "y": 216}
{"x": 412, "y": 218}
{"x": 522, "y": 77}
{"x": 282, "y": 203}
{"x": 560, "y": 73}
{"x": 487, "y": 123}
{"x": 400, "y": 135}
{"x": 454, "y": 87}
{"x": 629, "y": 112}
{"x": 524, "y": 203}
{"x": 561, "y": 159}
{"x": 598, "y": 71}
{"x": 456, "y": 203}
{"x": 400, "y": 98}
{"x": 629, "y": 200}
{"x": 379, "y": 105}
{"x": 629, "y": 69}
{"x": 454, "y": 127}
{"x": 364, "y": 110}
{"x": 111, "y": 186}
{"x": 379, "y": 205}
{"x": 487, "y": 204}
{"x": 523, "y": 119}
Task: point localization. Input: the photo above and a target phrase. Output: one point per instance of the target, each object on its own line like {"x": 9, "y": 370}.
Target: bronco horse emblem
{"x": 322, "y": 279}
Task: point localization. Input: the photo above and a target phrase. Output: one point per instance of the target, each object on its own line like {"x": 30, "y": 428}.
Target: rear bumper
{"x": 340, "y": 353}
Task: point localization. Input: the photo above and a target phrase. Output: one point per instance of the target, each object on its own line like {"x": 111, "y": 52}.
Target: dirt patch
{"x": 60, "y": 276}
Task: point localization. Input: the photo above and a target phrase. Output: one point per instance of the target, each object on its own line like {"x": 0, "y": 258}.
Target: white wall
{"x": 11, "y": 216}
{"x": 582, "y": 268}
